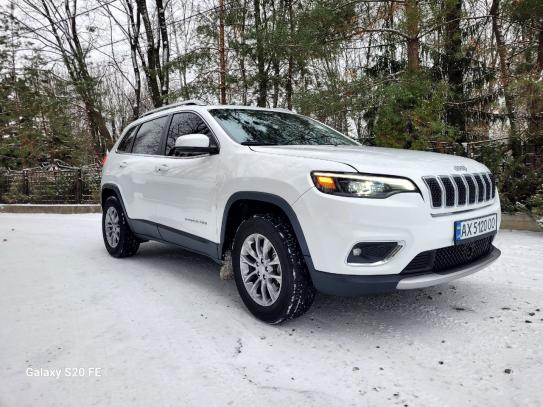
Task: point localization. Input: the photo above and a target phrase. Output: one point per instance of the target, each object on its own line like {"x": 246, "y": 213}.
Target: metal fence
{"x": 51, "y": 185}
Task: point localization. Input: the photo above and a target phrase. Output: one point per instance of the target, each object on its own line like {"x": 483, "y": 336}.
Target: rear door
{"x": 187, "y": 184}
{"x": 137, "y": 178}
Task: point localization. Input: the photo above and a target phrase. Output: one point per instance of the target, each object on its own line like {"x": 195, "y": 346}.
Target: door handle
{"x": 162, "y": 168}
{"x": 123, "y": 164}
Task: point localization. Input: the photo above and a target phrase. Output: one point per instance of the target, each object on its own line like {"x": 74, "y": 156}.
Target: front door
{"x": 187, "y": 184}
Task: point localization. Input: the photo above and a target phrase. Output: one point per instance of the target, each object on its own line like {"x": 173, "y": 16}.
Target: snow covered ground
{"x": 166, "y": 331}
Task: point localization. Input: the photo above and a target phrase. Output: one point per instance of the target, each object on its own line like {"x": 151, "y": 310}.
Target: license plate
{"x": 466, "y": 230}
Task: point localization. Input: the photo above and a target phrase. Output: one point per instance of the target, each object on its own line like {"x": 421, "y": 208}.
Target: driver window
{"x": 183, "y": 124}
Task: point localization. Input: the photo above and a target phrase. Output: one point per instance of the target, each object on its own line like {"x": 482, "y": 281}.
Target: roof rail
{"x": 282, "y": 109}
{"x": 190, "y": 102}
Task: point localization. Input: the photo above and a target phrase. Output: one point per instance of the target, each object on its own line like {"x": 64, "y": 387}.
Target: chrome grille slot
{"x": 493, "y": 181}
{"x": 488, "y": 186}
{"x": 480, "y": 187}
{"x": 472, "y": 189}
{"x": 435, "y": 191}
{"x": 460, "y": 189}
{"x": 448, "y": 191}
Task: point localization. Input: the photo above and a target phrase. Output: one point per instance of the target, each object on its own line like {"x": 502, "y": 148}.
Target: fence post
{"x": 78, "y": 186}
{"x": 25, "y": 186}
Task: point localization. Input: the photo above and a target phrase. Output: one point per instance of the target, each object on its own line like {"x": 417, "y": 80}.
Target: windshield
{"x": 266, "y": 127}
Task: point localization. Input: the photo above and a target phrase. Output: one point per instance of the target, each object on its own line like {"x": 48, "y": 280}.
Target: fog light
{"x": 372, "y": 252}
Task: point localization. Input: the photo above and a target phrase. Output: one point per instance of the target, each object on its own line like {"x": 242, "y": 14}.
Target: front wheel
{"x": 270, "y": 271}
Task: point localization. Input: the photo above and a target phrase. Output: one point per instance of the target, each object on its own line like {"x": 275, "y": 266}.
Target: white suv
{"x": 295, "y": 205}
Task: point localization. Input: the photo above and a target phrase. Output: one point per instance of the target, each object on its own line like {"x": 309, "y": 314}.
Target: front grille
{"x": 460, "y": 190}
{"x": 446, "y": 258}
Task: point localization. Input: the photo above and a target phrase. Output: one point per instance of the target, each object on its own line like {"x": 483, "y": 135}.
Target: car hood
{"x": 378, "y": 160}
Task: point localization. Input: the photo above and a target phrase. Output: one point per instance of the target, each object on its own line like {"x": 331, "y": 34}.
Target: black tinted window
{"x": 126, "y": 142}
{"x": 183, "y": 124}
{"x": 148, "y": 137}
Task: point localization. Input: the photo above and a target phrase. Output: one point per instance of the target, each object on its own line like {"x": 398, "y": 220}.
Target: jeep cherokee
{"x": 296, "y": 206}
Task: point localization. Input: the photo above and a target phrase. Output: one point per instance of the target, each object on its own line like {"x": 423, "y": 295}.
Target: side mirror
{"x": 194, "y": 143}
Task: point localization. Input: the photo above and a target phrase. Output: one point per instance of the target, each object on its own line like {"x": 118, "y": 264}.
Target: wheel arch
{"x": 111, "y": 190}
{"x": 245, "y": 203}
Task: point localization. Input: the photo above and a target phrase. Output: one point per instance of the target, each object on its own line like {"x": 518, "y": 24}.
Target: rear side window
{"x": 148, "y": 138}
{"x": 183, "y": 124}
{"x": 126, "y": 142}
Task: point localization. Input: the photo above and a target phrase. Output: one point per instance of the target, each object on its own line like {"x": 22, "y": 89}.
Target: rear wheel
{"x": 118, "y": 238}
{"x": 270, "y": 271}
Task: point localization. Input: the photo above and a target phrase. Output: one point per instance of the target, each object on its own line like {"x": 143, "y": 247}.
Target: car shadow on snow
{"x": 449, "y": 303}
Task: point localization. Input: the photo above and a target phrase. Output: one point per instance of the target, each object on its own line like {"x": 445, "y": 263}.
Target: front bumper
{"x": 332, "y": 225}
{"x": 355, "y": 285}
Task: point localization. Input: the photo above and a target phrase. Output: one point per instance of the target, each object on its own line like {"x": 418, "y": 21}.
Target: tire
{"x": 125, "y": 243}
{"x": 268, "y": 302}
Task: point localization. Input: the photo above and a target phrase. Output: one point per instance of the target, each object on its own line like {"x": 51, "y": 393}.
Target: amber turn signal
{"x": 326, "y": 182}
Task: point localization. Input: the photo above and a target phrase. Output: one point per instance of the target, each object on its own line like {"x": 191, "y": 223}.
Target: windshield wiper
{"x": 257, "y": 143}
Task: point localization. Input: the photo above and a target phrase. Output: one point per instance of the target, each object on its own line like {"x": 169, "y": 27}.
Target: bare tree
{"x": 63, "y": 27}
{"x": 154, "y": 61}
{"x": 130, "y": 29}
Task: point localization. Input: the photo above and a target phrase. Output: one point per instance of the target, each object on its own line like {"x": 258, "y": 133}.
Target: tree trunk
{"x": 412, "y": 16}
{"x": 454, "y": 66}
{"x": 178, "y": 51}
{"x": 505, "y": 76}
{"x": 222, "y": 56}
{"x": 163, "y": 70}
{"x": 539, "y": 65}
{"x": 133, "y": 37}
{"x": 276, "y": 73}
{"x": 290, "y": 68}
{"x": 535, "y": 99}
{"x": 245, "y": 86}
{"x": 262, "y": 76}
{"x": 152, "y": 67}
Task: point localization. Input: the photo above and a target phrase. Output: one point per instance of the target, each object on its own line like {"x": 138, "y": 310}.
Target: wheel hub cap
{"x": 260, "y": 269}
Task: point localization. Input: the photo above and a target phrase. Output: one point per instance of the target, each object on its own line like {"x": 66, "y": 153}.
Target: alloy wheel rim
{"x": 260, "y": 269}
{"x": 112, "y": 227}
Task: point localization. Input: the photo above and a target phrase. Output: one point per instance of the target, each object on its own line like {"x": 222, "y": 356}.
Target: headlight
{"x": 361, "y": 185}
